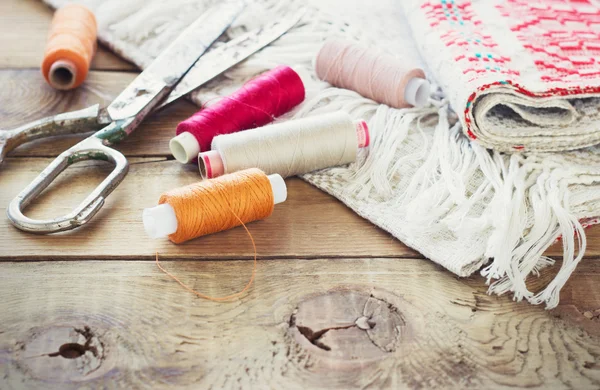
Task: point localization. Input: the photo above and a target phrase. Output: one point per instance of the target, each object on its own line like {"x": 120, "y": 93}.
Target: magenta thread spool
{"x": 255, "y": 104}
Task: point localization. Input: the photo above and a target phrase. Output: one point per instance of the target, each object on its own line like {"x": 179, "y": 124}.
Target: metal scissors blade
{"x": 132, "y": 113}
{"x": 158, "y": 79}
{"x": 218, "y": 60}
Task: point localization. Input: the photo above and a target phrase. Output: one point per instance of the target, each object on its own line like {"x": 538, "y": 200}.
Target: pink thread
{"x": 255, "y": 104}
{"x": 369, "y": 71}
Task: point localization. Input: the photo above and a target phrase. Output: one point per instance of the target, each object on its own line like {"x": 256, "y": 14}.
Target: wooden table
{"x": 337, "y": 302}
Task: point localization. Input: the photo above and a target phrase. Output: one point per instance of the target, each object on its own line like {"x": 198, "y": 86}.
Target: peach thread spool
{"x": 70, "y": 47}
{"x": 372, "y": 73}
{"x": 212, "y": 206}
{"x": 288, "y": 148}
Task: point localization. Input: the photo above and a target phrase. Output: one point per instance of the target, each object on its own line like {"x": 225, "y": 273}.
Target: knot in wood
{"x": 347, "y": 325}
{"x": 63, "y": 354}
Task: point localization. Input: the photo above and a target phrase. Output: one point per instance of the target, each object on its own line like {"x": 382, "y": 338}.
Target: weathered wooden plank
{"x": 25, "y": 97}
{"x": 344, "y": 323}
{"x": 309, "y": 224}
{"x": 24, "y": 26}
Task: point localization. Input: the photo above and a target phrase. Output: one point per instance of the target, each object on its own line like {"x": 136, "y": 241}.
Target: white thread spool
{"x": 288, "y": 148}
{"x": 372, "y": 73}
{"x": 161, "y": 221}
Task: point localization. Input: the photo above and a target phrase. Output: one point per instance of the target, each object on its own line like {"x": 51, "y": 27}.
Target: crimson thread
{"x": 255, "y": 104}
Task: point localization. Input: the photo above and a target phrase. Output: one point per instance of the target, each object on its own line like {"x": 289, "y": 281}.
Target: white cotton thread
{"x": 290, "y": 148}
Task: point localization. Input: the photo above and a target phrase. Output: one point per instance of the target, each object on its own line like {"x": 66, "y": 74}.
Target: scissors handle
{"x": 73, "y": 122}
{"x": 92, "y": 148}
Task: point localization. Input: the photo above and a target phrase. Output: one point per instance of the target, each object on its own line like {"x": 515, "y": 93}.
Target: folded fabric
{"x": 421, "y": 179}
{"x": 522, "y": 74}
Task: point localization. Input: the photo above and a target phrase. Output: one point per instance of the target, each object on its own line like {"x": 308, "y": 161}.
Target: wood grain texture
{"x": 328, "y": 322}
{"x": 24, "y": 89}
{"x": 309, "y": 224}
{"x": 344, "y": 323}
{"x": 24, "y": 25}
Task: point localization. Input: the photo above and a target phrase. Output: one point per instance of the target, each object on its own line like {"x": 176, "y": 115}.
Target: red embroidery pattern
{"x": 475, "y": 51}
{"x": 563, "y": 36}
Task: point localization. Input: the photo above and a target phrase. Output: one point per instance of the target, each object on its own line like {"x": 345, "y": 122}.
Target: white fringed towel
{"x": 421, "y": 179}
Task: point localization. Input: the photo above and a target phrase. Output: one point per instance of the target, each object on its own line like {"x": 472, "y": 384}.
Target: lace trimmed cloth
{"x": 517, "y": 81}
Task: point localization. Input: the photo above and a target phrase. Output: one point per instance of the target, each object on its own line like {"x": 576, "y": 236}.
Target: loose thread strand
{"x": 228, "y": 297}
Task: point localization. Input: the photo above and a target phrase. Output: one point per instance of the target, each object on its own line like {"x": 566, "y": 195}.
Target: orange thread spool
{"x": 212, "y": 206}
{"x": 70, "y": 47}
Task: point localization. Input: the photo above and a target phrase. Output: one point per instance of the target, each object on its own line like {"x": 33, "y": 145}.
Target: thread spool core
{"x": 417, "y": 92}
{"x": 184, "y": 147}
{"x": 278, "y": 187}
{"x": 63, "y": 74}
{"x": 159, "y": 221}
{"x": 210, "y": 164}
{"x": 362, "y": 133}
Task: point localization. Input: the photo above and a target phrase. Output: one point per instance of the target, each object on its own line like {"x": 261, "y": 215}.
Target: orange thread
{"x": 72, "y": 41}
{"x": 219, "y": 204}
{"x": 212, "y": 206}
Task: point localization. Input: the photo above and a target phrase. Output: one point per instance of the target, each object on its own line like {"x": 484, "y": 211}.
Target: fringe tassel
{"x": 521, "y": 201}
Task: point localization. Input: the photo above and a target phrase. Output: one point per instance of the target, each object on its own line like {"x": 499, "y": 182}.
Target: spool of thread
{"x": 257, "y": 103}
{"x": 215, "y": 205}
{"x": 288, "y": 148}
{"x": 70, "y": 47}
{"x": 373, "y": 74}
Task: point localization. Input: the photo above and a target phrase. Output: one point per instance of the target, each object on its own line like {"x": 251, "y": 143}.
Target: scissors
{"x": 178, "y": 70}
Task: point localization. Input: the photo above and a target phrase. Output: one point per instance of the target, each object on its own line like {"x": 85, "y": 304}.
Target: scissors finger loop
{"x": 90, "y": 149}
